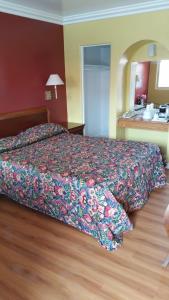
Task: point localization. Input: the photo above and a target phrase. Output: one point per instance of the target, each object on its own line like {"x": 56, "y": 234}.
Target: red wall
{"x": 30, "y": 51}
{"x": 142, "y": 72}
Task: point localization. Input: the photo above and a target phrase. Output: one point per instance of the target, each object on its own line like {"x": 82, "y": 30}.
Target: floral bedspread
{"x": 89, "y": 183}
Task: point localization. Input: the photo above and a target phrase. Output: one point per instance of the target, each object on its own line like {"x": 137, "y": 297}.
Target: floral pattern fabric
{"x": 7, "y": 143}
{"x": 89, "y": 183}
{"x": 38, "y": 133}
{"x": 31, "y": 135}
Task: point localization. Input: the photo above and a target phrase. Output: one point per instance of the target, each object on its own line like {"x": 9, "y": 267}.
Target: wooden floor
{"x": 42, "y": 259}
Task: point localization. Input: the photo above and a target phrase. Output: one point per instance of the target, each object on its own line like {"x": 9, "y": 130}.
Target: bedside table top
{"x": 69, "y": 125}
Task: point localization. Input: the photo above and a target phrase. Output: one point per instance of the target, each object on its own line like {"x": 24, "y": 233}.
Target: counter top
{"x": 139, "y": 123}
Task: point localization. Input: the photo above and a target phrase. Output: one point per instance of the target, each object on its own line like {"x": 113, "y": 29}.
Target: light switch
{"x": 48, "y": 95}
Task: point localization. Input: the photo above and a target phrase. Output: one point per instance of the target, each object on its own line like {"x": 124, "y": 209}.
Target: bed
{"x": 89, "y": 183}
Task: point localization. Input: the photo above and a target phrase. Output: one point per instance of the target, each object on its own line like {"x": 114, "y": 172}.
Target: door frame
{"x": 82, "y": 74}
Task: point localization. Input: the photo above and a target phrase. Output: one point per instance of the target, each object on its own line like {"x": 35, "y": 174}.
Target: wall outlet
{"x": 48, "y": 95}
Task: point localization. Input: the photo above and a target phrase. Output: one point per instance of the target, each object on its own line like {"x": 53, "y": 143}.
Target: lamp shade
{"x": 54, "y": 79}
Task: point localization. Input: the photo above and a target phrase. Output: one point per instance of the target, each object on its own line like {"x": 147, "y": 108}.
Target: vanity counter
{"x": 139, "y": 123}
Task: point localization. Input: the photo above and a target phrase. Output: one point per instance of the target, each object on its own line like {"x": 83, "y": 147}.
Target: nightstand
{"x": 75, "y": 128}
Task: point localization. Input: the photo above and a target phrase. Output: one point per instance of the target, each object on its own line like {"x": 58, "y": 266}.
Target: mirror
{"x": 149, "y": 83}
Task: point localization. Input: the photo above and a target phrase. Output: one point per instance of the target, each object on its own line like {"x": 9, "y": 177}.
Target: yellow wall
{"x": 121, "y": 33}
{"x": 141, "y": 54}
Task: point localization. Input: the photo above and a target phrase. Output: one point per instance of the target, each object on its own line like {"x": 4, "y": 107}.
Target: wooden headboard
{"x": 15, "y": 122}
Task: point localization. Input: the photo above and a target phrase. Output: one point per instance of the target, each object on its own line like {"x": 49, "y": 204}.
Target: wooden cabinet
{"x": 142, "y": 124}
{"x": 75, "y": 128}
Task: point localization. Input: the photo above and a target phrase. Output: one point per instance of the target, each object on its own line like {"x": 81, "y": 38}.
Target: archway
{"x": 137, "y": 52}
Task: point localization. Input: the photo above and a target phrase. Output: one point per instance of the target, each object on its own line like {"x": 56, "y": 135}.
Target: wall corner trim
{"x": 28, "y": 12}
{"x": 119, "y": 11}
{"x": 25, "y": 11}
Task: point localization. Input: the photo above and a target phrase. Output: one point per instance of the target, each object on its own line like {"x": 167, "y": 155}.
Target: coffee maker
{"x": 164, "y": 111}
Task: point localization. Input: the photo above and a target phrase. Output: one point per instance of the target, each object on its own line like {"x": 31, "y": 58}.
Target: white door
{"x": 96, "y": 82}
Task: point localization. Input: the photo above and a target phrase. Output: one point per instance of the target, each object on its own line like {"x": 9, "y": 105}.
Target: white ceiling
{"x": 72, "y": 11}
